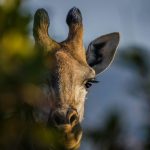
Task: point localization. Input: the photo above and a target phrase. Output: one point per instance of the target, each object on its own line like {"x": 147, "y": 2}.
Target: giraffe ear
{"x": 101, "y": 51}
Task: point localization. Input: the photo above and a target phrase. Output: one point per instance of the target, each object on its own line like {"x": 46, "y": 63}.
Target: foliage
{"x": 20, "y": 66}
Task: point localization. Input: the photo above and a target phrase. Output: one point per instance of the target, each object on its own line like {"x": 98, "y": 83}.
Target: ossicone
{"x": 40, "y": 30}
{"x": 74, "y": 16}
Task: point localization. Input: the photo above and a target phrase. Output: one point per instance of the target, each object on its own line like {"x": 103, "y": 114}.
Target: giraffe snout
{"x": 65, "y": 117}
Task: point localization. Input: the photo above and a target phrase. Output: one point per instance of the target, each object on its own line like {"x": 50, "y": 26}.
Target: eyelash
{"x": 89, "y": 83}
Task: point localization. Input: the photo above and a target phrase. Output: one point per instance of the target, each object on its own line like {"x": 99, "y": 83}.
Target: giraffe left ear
{"x": 101, "y": 51}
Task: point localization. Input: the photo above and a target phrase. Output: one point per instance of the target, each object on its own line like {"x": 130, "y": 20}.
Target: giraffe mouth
{"x": 73, "y": 137}
{"x": 67, "y": 136}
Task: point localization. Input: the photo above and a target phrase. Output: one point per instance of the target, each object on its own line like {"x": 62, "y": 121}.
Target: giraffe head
{"x": 70, "y": 69}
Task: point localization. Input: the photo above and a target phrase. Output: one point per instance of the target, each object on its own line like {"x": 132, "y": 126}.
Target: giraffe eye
{"x": 89, "y": 83}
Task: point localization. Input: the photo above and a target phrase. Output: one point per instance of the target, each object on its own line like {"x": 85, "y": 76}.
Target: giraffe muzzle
{"x": 64, "y": 117}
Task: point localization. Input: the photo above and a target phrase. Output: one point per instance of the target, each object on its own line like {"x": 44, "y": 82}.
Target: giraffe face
{"x": 71, "y": 71}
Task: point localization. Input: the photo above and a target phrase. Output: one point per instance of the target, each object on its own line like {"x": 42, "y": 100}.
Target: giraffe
{"x": 71, "y": 71}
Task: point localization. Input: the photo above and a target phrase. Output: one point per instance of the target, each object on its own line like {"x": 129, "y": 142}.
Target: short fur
{"x": 70, "y": 68}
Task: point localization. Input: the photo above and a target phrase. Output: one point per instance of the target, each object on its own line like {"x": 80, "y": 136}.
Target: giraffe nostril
{"x": 69, "y": 118}
{"x": 73, "y": 118}
{"x": 58, "y": 119}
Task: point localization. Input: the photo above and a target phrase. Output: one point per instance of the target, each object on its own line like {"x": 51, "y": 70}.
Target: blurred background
{"x": 117, "y": 110}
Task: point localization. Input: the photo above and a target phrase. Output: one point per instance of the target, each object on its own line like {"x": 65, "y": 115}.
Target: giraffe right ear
{"x": 101, "y": 51}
